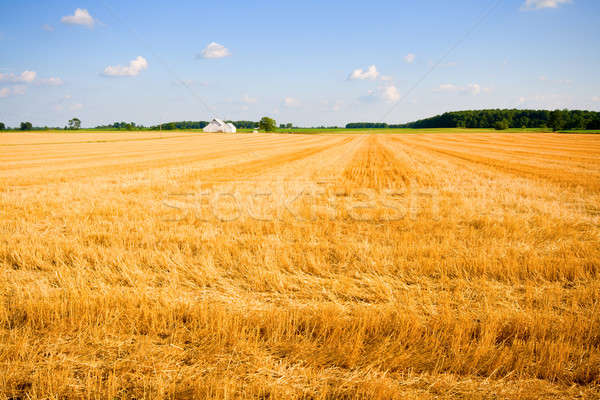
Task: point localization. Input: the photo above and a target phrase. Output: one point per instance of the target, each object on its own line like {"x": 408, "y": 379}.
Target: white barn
{"x": 218, "y": 125}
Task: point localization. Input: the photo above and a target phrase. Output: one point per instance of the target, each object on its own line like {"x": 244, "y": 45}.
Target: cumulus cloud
{"x": 214, "y": 50}
{"x": 410, "y": 58}
{"x": 4, "y": 92}
{"x": 290, "y": 102}
{"x": 79, "y": 17}
{"x": 24, "y": 77}
{"x": 134, "y": 68}
{"x": 541, "y": 4}
{"x": 390, "y": 94}
{"x": 387, "y": 93}
{"x": 473, "y": 89}
{"x": 370, "y": 73}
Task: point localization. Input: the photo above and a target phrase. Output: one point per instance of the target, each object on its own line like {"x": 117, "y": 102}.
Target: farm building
{"x": 218, "y": 125}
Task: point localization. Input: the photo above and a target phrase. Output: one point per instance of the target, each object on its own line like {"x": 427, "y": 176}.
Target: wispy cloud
{"x": 214, "y": 50}
{"x": 334, "y": 106}
{"x": 541, "y": 4}
{"x": 248, "y": 100}
{"x": 50, "y": 81}
{"x": 544, "y": 78}
{"x": 472, "y": 89}
{"x": 370, "y": 73}
{"x": 16, "y": 89}
{"x": 133, "y": 69}
{"x": 410, "y": 58}
{"x": 48, "y": 28}
{"x": 81, "y": 16}
{"x": 290, "y": 102}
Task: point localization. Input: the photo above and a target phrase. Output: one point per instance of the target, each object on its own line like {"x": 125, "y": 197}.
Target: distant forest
{"x": 502, "y": 119}
{"x": 556, "y": 120}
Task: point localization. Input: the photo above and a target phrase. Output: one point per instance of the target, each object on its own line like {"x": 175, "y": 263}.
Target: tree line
{"x": 501, "y": 119}
{"x": 201, "y": 124}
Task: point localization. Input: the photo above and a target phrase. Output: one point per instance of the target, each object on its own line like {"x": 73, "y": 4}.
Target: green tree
{"x": 557, "y": 120}
{"x": 2, "y": 126}
{"x": 26, "y": 126}
{"x": 267, "y": 124}
{"x": 74, "y": 123}
{"x": 501, "y": 125}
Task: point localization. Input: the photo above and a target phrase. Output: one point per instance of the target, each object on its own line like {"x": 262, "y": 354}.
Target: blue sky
{"x": 310, "y": 63}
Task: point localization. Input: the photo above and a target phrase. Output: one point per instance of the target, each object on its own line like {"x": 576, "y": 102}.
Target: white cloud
{"x": 386, "y": 78}
{"x": 540, "y": 4}
{"x": 134, "y": 68}
{"x": 248, "y": 100}
{"x": 76, "y": 106}
{"x": 410, "y": 58}
{"x": 447, "y": 87}
{"x": 387, "y": 93}
{"x": 80, "y": 17}
{"x": 17, "y": 89}
{"x": 370, "y": 73}
{"x": 51, "y": 81}
{"x": 290, "y": 102}
{"x": 48, "y": 28}
{"x": 390, "y": 94}
{"x": 27, "y": 76}
{"x": 596, "y": 98}
{"x": 215, "y": 50}
{"x": 24, "y": 77}
{"x": 473, "y": 89}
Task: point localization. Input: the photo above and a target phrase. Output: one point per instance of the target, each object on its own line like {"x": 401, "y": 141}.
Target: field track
{"x": 175, "y": 265}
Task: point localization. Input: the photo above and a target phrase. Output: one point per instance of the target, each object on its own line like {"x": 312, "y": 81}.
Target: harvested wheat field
{"x": 193, "y": 266}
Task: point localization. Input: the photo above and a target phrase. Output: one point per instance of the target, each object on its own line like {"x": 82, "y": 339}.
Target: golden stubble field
{"x": 269, "y": 266}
